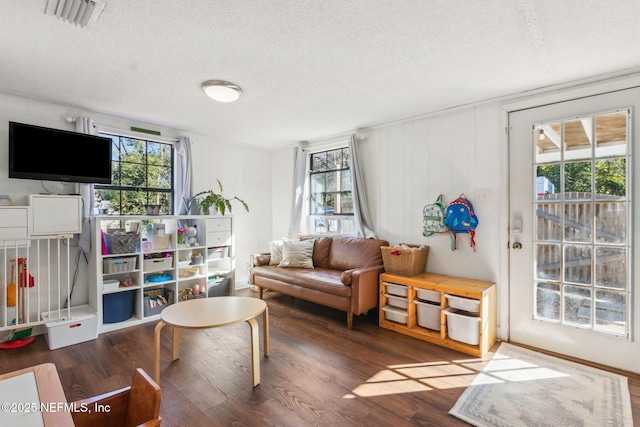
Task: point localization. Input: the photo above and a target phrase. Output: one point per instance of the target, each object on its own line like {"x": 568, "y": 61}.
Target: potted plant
{"x": 216, "y": 201}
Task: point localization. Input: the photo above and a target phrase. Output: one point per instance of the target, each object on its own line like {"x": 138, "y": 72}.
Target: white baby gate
{"x": 35, "y": 278}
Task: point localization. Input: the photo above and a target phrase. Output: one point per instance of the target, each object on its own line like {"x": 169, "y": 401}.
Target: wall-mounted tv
{"x": 37, "y": 152}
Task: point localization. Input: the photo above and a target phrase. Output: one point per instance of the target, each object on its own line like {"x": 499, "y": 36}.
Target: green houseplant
{"x": 217, "y": 201}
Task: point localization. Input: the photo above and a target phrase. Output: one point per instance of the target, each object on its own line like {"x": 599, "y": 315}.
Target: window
{"x": 142, "y": 174}
{"x": 331, "y": 209}
{"x": 582, "y": 209}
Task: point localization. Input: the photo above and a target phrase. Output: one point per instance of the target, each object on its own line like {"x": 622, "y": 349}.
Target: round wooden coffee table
{"x": 212, "y": 313}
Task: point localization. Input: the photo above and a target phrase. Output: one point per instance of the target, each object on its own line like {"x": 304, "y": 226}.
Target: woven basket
{"x": 121, "y": 243}
{"x": 404, "y": 262}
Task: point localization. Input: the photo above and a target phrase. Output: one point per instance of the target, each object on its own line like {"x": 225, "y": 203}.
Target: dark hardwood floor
{"x": 318, "y": 372}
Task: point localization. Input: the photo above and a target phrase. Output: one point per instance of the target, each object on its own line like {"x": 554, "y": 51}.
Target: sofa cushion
{"x": 321, "y": 249}
{"x": 320, "y": 279}
{"x": 297, "y": 254}
{"x": 352, "y": 252}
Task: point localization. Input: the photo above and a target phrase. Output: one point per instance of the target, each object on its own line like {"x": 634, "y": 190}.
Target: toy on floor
{"x": 19, "y": 337}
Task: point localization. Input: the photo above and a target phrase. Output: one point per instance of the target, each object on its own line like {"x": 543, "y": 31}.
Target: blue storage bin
{"x": 117, "y": 306}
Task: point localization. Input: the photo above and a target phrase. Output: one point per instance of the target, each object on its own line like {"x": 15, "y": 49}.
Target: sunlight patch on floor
{"x": 417, "y": 377}
{"x": 508, "y": 369}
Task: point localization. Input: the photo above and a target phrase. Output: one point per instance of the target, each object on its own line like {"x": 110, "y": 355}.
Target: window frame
{"x": 147, "y": 137}
{"x": 344, "y": 221}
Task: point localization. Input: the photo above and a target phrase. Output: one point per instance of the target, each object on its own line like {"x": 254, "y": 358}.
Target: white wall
{"x": 282, "y": 190}
{"x": 243, "y": 171}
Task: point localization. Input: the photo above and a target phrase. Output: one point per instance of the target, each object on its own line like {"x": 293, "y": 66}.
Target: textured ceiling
{"x": 309, "y": 68}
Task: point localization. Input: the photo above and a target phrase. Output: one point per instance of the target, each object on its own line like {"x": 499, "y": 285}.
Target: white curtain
{"x": 300, "y": 169}
{"x": 362, "y": 224}
{"x": 86, "y": 125}
{"x": 184, "y": 175}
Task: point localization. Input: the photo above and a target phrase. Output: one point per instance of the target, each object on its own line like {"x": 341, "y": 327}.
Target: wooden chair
{"x": 136, "y": 405}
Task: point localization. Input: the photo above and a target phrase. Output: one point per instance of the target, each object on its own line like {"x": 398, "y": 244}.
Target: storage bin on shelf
{"x": 156, "y": 300}
{"x": 159, "y": 241}
{"x": 188, "y": 272}
{"x": 428, "y": 295}
{"x": 395, "y": 301}
{"x": 164, "y": 262}
{"x": 463, "y": 326}
{"x": 395, "y": 289}
{"x": 218, "y": 253}
{"x": 405, "y": 260}
{"x": 121, "y": 243}
{"x": 117, "y": 306}
{"x": 465, "y": 304}
{"x": 197, "y": 259}
{"x": 395, "y": 314}
{"x": 110, "y": 285}
{"x": 183, "y": 264}
{"x": 184, "y": 255}
{"x": 218, "y": 286}
{"x": 118, "y": 265}
{"x": 428, "y": 314}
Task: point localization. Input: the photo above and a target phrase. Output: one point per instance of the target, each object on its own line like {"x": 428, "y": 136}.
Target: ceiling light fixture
{"x": 221, "y": 91}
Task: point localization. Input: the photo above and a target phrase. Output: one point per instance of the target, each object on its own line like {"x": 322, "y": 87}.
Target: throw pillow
{"x": 297, "y": 254}
{"x": 275, "y": 248}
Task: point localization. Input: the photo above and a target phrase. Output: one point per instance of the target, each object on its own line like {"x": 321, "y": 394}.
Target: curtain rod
{"x": 137, "y": 135}
{"x": 332, "y": 141}
{"x": 332, "y": 137}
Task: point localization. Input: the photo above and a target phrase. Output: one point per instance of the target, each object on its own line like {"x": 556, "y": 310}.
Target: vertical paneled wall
{"x": 407, "y": 165}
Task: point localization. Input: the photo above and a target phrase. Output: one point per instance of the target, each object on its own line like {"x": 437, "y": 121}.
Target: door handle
{"x": 517, "y": 246}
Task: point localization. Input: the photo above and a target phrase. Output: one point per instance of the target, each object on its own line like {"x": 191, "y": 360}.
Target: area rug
{"x": 520, "y": 387}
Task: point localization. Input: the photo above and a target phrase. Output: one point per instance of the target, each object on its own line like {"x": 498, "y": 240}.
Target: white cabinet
{"x": 218, "y": 232}
{"x": 55, "y": 214}
{"x": 14, "y": 222}
{"x": 159, "y": 264}
{"x": 45, "y": 215}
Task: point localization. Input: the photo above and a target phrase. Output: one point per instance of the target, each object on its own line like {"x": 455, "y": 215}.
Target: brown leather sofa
{"x": 344, "y": 276}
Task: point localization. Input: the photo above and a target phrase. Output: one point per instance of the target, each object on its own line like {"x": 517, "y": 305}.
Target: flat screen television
{"x": 37, "y": 152}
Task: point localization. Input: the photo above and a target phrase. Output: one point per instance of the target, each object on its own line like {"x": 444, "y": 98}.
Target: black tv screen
{"x": 37, "y": 152}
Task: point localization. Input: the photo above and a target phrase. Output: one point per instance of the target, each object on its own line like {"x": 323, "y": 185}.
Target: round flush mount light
{"x": 221, "y": 91}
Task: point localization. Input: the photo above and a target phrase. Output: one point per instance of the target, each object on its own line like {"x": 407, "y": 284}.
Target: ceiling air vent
{"x": 83, "y": 13}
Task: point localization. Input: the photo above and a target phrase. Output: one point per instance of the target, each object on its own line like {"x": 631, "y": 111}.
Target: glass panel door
{"x": 571, "y": 193}
{"x": 581, "y": 186}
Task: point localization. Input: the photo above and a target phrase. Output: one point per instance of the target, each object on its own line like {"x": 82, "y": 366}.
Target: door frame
{"x": 559, "y": 98}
